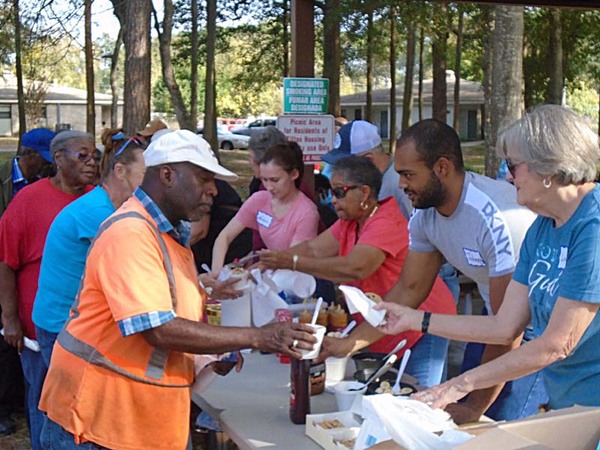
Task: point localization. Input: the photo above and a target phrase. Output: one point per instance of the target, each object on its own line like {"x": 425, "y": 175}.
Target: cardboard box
{"x": 332, "y": 438}
{"x": 575, "y": 428}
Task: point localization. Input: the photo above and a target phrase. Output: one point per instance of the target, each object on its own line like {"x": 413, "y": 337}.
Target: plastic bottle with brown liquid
{"x": 300, "y": 390}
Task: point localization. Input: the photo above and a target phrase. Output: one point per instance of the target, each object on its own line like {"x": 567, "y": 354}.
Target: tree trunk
{"x": 114, "y": 81}
{"x": 285, "y": 17}
{"x": 439, "y": 46}
{"x": 507, "y": 80}
{"x": 408, "y": 99}
{"x": 421, "y": 70}
{"x": 89, "y": 70}
{"x": 19, "y": 69}
{"x": 555, "y": 59}
{"x": 370, "y": 43}
{"x": 487, "y": 63}
{"x": 194, "y": 70}
{"x": 457, "y": 69}
{"x": 331, "y": 53}
{"x": 210, "y": 110}
{"x": 137, "y": 65}
{"x": 393, "y": 108}
{"x": 164, "y": 42}
{"x": 119, "y": 12}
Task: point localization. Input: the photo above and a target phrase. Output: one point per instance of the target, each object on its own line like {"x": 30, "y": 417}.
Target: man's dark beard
{"x": 433, "y": 195}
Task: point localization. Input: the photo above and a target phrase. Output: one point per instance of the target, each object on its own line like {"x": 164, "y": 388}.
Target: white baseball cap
{"x": 355, "y": 137}
{"x": 185, "y": 146}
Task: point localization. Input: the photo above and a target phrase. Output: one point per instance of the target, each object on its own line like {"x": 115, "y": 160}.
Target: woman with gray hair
{"x": 551, "y": 156}
{"x": 365, "y": 248}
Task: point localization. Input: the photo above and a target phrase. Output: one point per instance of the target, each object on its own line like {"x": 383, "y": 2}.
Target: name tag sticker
{"x": 474, "y": 258}
{"x": 264, "y": 219}
{"x": 562, "y": 260}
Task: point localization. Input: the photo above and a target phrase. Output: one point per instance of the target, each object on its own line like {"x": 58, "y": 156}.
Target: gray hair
{"x": 554, "y": 141}
{"x": 62, "y": 139}
{"x": 359, "y": 170}
{"x": 260, "y": 142}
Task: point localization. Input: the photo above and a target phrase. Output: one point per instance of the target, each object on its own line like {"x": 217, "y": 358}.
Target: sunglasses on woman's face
{"x": 340, "y": 192}
{"x": 512, "y": 166}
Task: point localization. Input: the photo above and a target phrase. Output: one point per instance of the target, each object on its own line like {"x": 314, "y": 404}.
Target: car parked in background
{"x": 228, "y": 140}
{"x": 255, "y": 126}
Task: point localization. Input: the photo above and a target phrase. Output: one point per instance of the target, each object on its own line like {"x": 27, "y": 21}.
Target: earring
{"x": 547, "y": 182}
{"x": 364, "y": 205}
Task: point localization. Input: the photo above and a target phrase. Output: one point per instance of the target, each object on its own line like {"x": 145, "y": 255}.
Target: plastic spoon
{"x": 383, "y": 369}
{"x": 316, "y": 312}
{"x": 396, "y": 387}
{"x": 205, "y": 267}
{"x": 397, "y": 348}
{"x": 348, "y": 329}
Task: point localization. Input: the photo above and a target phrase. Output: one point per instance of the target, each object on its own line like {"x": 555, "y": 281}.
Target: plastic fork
{"x": 396, "y": 387}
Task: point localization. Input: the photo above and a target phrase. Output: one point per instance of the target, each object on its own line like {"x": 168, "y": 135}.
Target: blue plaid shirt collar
{"x": 181, "y": 233}
{"x": 18, "y": 179}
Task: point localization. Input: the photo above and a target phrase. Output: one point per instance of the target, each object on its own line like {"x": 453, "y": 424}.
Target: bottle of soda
{"x": 300, "y": 390}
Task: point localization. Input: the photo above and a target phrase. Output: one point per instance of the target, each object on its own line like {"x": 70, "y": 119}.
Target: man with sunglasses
{"x": 23, "y": 229}
{"x": 475, "y": 223}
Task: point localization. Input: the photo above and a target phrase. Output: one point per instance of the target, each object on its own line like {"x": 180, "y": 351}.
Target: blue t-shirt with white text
{"x": 565, "y": 262}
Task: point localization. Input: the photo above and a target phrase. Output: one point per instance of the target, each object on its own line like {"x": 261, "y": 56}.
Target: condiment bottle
{"x": 300, "y": 390}
{"x": 338, "y": 319}
{"x": 323, "y": 316}
{"x": 317, "y": 377}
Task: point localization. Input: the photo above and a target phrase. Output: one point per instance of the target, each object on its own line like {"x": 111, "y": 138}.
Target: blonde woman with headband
{"x": 122, "y": 169}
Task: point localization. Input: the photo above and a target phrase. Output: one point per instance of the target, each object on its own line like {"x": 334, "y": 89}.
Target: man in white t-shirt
{"x": 475, "y": 223}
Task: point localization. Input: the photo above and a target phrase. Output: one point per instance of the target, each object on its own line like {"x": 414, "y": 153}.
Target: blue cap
{"x": 355, "y": 137}
{"x": 39, "y": 140}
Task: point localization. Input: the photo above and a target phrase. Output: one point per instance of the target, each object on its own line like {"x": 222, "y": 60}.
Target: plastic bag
{"x": 413, "y": 424}
{"x": 265, "y": 299}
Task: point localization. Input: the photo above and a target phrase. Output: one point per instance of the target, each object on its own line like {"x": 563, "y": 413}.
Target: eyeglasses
{"x": 122, "y": 148}
{"x": 81, "y": 156}
{"x": 512, "y": 166}
{"x": 340, "y": 192}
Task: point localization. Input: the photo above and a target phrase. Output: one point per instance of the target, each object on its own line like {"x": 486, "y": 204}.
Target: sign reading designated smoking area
{"x": 304, "y": 120}
{"x": 305, "y": 95}
{"x": 313, "y": 133}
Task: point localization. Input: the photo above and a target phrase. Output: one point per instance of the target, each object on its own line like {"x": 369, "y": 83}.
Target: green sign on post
{"x": 305, "y": 95}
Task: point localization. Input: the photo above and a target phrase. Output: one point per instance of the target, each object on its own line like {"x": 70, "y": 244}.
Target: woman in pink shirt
{"x": 282, "y": 214}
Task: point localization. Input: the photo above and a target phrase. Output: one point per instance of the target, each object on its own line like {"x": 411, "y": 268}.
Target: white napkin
{"x": 359, "y": 302}
{"x": 29, "y": 343}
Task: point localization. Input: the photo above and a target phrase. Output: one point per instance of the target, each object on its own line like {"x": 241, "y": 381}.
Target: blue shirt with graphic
{"x": 565, "y": 262}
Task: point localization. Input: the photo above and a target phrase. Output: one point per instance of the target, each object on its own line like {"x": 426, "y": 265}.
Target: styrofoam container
{"x": 344, "y": 397}
{"x": 319, "y": 334}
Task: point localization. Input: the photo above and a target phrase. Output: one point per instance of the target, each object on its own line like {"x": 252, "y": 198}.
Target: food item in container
{"x": 242, "y": 274}
{"x": 375, "y": 297}
{"x": 330, "y": 424}
{"x": 348, "y": 443}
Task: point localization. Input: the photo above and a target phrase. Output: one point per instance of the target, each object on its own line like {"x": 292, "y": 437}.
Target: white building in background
{"x": 470, "y": 113}
{"x": 64, "y": 108}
